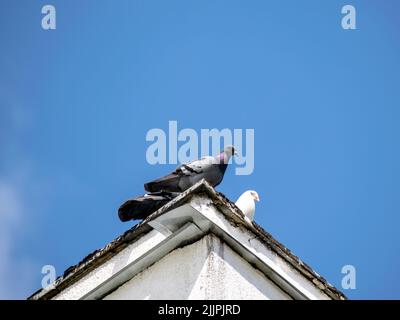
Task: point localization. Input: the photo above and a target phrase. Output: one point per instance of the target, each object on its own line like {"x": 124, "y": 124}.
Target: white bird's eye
{"x": 255, "y": 195}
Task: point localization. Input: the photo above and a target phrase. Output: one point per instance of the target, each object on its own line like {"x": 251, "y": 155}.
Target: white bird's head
{"x": 254, "y": 195}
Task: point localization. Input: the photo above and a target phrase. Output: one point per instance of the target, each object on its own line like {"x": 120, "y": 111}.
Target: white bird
{"x": 246, "y": 203}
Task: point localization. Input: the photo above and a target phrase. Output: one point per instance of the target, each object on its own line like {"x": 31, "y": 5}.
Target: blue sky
{"x": 76, "y": 104}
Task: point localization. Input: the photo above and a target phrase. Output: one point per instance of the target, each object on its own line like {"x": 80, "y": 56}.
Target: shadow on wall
{"x": 206, "y": 269}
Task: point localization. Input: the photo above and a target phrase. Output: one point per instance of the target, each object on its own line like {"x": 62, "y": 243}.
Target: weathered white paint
{"x": 110, "y": 267}
{"x": 247, "y": 240}
{"x": 207, "y": 269}
{"x": 202, "y": 273}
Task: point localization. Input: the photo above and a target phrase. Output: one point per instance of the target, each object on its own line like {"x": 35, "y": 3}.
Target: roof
{"x": 224, "y": 205}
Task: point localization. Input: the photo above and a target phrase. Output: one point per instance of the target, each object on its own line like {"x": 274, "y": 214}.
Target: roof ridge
{"x": 90, "y": 261}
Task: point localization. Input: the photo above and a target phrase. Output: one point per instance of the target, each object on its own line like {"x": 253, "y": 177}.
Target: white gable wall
{"x": 223, "y": 264}
{"x": 111, "y": 267}
{"x": 206, "y": 269}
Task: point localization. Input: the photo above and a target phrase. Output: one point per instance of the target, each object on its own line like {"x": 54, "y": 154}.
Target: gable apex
{"x": 196, "y": 213}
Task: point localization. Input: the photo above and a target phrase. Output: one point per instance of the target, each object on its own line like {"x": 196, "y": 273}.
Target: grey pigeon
{"x": 212, "y": 169}
{"x": 141, "y": 207}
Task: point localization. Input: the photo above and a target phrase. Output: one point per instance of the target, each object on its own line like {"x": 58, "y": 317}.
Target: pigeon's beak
{"x": 257, "y": 198}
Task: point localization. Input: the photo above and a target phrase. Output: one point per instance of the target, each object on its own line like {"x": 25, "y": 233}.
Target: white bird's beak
{"x": 257, "y": 198}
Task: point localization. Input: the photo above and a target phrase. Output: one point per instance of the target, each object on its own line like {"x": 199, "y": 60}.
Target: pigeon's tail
{"x": 142, "y": 207}
{"x": 168, "y": 183}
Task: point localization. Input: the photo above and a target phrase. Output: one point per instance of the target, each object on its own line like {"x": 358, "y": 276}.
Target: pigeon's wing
{"x": 141, "y": 207}
{"x": 171, "y": 181}
{"x": 196, "y": 166}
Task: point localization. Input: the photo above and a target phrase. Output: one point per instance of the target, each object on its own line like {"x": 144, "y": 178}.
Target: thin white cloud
{"x": 16, "y": 274}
